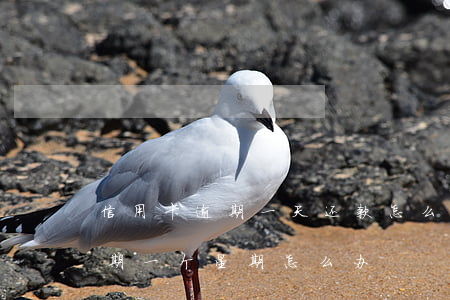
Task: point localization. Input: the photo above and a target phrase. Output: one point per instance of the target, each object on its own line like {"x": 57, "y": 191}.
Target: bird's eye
{"x": 239, "y": 97}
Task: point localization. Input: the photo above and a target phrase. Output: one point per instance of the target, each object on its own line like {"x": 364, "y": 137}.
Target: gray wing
{"x": 161, "y": 171}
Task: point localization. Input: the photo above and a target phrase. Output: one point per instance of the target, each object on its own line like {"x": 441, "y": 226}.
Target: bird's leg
{"x": 196, "y": 281}
{"x": 189, "y": 271}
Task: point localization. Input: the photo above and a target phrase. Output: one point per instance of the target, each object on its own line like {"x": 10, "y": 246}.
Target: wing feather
{"x": 157, "y": 173}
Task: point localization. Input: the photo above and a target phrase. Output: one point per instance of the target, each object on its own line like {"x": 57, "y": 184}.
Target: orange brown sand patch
{"x": 405, "y": 261}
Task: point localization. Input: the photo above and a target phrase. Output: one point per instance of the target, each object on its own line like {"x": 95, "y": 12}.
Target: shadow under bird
{"x": 237, "y": 156}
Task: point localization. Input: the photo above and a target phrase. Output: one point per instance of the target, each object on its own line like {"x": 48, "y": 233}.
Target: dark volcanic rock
{"x": 12, "y": 282}
{"x": 111, "y": 143}
{"x": 224, "y": 28}
{"x": 118, "y": 64}
{"x": 180, "y": 76}
{"x": 418, "y": 7}
{"x": 13, "y": 199}
{"x": 65, "y": 258}
{"x": 207, "y": 37}
{"x": 422, "y": 50}
{"x": 222, "y": 35}
{"x": 72, "y": 70}
{"x": 261, "y": 231}
{"x": 32, "y": 172}
{"x": 48, "y": 291}
{"x": 7, "y": 134}
{"x": 35, "y": 278}
{"x": 92, "y": 167}
{"x": 39, "y": 260}
{"x": 347, "y": 172}
{"x": 32, "y": 127}
{"x": 353, "y": 79}
{"x": 24, "y": 63}
{"x": 356, "y": 16}
{"x": 405, "y": 99}
{"x": 98, "y": 269}
{"x": 430, "y": 137}
{"x": 144, "y": 40}
{"x": 113, "y": 296}
{"x": 435, "y": 146}
{"x": 41, "y": 23}
{"x": 35, "y": 268}
{"x": 98, "y": 19}
{"x": 17, "y": 50}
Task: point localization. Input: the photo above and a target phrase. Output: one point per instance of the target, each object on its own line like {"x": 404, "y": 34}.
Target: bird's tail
{"x": 26, "y": 223}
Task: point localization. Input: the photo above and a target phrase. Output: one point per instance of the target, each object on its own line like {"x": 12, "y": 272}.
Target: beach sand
{"x": 405, "y": 261}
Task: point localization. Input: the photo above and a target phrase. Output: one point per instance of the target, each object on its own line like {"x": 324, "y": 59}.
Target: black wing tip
{"x": 27, "y": 223}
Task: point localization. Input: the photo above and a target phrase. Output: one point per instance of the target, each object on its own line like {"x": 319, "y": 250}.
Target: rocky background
{"x": 385, "y": 139}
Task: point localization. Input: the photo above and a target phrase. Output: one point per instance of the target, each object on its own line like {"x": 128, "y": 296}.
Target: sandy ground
{"x": 405, "y": 261}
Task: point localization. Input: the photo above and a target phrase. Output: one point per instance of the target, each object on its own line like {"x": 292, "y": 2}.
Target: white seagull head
{"x": 247, "y": 97}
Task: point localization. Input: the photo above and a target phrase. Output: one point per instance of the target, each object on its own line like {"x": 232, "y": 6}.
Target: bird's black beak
{"x": 265, "y": 119}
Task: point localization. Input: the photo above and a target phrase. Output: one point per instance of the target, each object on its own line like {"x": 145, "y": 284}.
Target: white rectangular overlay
{"x": 152, "y": 101}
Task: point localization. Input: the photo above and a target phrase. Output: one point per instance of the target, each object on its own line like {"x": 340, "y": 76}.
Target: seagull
{"x": 237, "y": 157}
